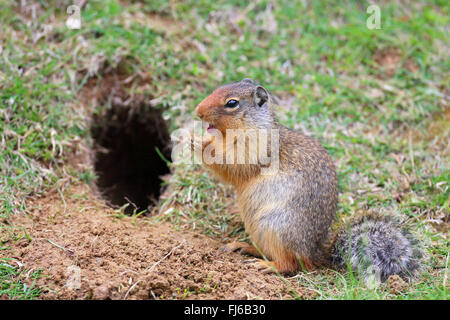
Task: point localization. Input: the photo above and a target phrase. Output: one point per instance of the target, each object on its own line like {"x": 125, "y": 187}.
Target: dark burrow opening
{"x": 127, "y": 164}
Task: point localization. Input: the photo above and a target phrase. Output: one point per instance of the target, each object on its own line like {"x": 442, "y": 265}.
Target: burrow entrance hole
{"x": 129, "y": 141}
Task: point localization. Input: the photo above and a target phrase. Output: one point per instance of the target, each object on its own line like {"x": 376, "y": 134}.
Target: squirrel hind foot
{"x": 276, "y": 266}
{"x": 242, "y": 248}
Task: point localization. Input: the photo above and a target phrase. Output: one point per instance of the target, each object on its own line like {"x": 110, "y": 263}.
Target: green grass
{"x": 11, "y": 284}
{"x": 387, "y": 131}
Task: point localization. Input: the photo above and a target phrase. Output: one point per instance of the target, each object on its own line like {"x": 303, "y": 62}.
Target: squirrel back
{"x": 289, "y": 213}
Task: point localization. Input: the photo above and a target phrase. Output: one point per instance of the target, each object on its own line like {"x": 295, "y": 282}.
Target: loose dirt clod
{"x": 101, "y": 293}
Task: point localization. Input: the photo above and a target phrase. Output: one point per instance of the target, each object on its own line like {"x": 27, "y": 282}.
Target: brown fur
{"x": 287, "y": 215}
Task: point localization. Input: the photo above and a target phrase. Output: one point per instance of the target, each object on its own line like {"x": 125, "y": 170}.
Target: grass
{"x": 16, "y": 289}
{"x": 378, "y": 101}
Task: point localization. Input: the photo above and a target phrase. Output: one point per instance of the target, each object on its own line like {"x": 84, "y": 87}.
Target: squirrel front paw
{"x": 199, "y": 142}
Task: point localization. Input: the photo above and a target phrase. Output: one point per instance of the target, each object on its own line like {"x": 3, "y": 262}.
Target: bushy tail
{"x": 376, "y": 248}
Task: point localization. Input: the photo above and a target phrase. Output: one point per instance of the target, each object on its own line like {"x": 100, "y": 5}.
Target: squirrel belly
{"x": 289, "y": 213}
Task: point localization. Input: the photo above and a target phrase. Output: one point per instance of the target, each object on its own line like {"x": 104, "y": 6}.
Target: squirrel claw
{"x": 251, "y": 261}
{"x": 234, "y": 246}
{"x": 265, "y": 266}
{"x": 242, "y": 248}
{"x": 262, "y": 265}
{"x": 226, "y": 249}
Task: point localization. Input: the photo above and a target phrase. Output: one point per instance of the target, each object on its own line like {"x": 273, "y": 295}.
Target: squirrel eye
{"x": 232, "y": 103}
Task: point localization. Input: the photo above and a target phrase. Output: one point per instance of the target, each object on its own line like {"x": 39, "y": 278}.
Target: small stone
{"x": 100, "y": 293}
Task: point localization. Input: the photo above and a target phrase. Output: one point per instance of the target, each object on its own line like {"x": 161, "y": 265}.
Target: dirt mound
{"x": 89, "y": 251}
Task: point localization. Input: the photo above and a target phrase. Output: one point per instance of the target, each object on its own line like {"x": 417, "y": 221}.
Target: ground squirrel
{"x": 289, "y": 214}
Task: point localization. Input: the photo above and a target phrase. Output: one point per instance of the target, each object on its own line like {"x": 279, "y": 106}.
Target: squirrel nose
{"x": 199, "y": 112}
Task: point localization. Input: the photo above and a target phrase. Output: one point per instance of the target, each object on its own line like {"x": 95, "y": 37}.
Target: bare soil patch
{"x": 77, "y": 235}
{"x": 388, "y": 59}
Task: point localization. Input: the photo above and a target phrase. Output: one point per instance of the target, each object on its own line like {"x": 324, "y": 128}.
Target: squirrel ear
{"x": 261, "y": 96}
{"x": 248, "y": 81}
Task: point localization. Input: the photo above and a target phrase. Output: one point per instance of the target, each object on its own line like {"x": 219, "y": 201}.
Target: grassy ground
{"x": 377, "y": 99}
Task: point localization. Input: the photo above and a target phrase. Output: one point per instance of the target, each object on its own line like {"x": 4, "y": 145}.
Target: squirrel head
{"x": 240, "y": 105}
